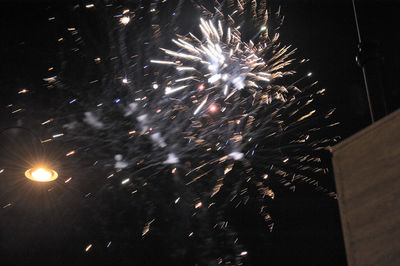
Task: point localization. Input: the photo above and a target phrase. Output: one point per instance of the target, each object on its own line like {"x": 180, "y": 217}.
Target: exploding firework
{"x": 181, "y": 145}
{"x": 220, "y": 64}
{"x": 235, "y": 96}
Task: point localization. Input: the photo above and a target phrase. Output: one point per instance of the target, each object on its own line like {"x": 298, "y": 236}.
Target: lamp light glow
{"x": 41, "y": 174}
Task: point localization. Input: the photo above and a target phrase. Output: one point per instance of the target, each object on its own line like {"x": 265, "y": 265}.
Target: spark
{"x": 16, "y": 111}
{"x": 109, "y": 176}
{"x": 51, "y": 79}
{"x": 200, "y": 106}
{"x": 125, "y": 20}
{"x": 307, "y": 115}
{"x": 146, "y": 228}
{"x": 47, "y": 121}
{"x": 228, "y": 169}
{"x": 169, "y": 90}
{"x": 162, "y": 62}
{"x": 88, "y": 247}
{"x": 213, "y": 108}
{"x": 7, "y": 205}
{"x": 70, "y": 153}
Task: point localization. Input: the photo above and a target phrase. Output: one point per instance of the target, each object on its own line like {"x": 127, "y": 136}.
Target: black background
{"x": 307, "y": 228}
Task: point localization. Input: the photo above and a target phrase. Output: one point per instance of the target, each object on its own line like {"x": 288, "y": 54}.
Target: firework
{"x": 208, "y": 126}
{"x": 219, "y": 65}
{"x": 235, "y": 96}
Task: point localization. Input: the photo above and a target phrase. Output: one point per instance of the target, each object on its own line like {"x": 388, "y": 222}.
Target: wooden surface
{"x": 367, "y": 175}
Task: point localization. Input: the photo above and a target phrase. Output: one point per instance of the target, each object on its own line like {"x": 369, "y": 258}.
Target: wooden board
{"x": 367, "y": 175}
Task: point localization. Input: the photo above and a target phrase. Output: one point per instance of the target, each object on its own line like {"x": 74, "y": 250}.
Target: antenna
{"x": 371, "y": 112}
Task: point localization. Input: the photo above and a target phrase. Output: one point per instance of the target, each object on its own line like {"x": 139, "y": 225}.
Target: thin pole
{"x": 356, "y": 19}
{"x": 371, "y": 112}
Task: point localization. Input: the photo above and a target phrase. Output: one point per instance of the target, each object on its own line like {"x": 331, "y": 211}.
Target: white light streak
{"x": 169, "y": 90}
{"x": 200, "y": 106}
{"x": 163, "y": 62}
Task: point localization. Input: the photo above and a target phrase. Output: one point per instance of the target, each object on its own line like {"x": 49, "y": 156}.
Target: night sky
{"x": 44, "y": 229}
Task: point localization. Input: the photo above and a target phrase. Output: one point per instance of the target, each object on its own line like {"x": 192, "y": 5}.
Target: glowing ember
{"x": 125, "y": 20}
{"x": 213, "y": 108}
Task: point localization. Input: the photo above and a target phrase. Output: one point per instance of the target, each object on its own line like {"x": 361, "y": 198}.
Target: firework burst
{"x": 219, "y": 65}
{"x": 234, "y": 94}
{"x": 213, "y": 131}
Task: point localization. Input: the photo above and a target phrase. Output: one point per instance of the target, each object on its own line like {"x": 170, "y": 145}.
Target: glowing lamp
{"x": 41, "y": 174}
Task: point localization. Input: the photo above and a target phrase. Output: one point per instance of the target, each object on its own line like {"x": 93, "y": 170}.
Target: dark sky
{"x": 326, "y": 33}
{"x": 307, "y": 224}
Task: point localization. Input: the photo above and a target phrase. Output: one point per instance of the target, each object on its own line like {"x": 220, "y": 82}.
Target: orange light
{"x": 201, "y": 87}
{"x": 213, "y": 108}
{"x": 41, "y": 174}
